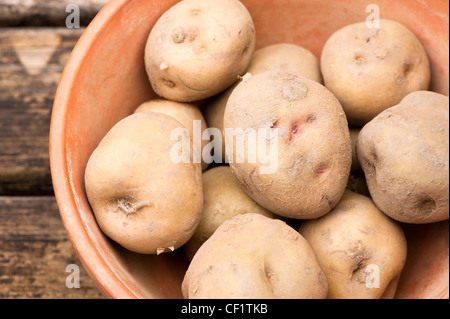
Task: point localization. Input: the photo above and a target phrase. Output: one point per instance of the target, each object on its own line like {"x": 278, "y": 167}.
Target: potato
{"x": 404, "y": 153}
{"x": 140, "y": 197}
{"x": 253, "y": 256}
{"x": 185, "y": 113}
{"x": 286, "y": 57}
{"x": 310, "y": 158}
{"x": 199, "y": 48}
{"x": 370, "y": 70}
{"x": 277, "y": 57}
{"x": 222, "y": 200}
{"x": 361, "y": 251}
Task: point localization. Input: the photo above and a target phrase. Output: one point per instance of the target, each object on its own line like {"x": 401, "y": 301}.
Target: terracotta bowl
{"x": 104, "y": 81}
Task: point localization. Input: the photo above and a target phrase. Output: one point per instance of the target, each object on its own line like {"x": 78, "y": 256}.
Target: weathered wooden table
{"x": 35, "y": 251}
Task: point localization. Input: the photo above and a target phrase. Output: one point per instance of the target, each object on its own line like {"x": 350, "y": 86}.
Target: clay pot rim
{"x": 91, "y": 258}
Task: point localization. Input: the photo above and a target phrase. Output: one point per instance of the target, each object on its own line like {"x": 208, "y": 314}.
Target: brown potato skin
{"x": 404, "y": 153}
{"x": 256, "y": 257}
{"x": 132, "y": 168}
{"x": 185, "y": 113}
{"x": 314, "y": 146}
{"x": 354, "y": 235}
{"x": 222, "y": 200}
{"x": 277, "y": 57}
{"x": 370, "y": 71}
{"x": 286, "y": 57}
{"x": 195, "y": 50}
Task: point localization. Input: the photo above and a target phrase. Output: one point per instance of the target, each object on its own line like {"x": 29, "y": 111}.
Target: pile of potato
{"x": 362, "y": 146}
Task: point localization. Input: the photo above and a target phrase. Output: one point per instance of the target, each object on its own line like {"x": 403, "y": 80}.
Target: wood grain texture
{"x": 31, "y": 63}
{"x": 35, "y": 251}
{"x": 45, "y": 12}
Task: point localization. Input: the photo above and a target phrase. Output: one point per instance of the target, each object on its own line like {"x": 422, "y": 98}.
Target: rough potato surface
{"x": 404, "y": 153}
{"x": 253, "y": 256}
{"x": 361, "y": 250}
{"x": 185, "y": 113}
{"x": 370, "y": 70}
{"x": 282, "y": 57}
{"x": 314, "y": 146}
{"x": 140, "y": 197}
{"x": 199, "y": 48}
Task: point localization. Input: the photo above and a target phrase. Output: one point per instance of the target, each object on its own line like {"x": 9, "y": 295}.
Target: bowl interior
{"x": 105, "y": 80}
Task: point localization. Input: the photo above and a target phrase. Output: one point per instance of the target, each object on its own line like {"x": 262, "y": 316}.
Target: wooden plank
{"x": 31, "y": 62}
{"x": 35, "y": 251}
{"x": 46, "y": 12}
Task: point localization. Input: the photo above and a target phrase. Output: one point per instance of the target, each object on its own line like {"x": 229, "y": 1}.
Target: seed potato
{"x": 195, "y": 50}
{"x": 370, "y": 70}
{"x": 134, "y": 190}
{"x": 284, "y": 57}
{"x": 404, "y": 153}
{"x": 185, "y": 113}
{"x": 312, "y": 151}
{"x": 361, "y": 251}
{"x": 253, "y": 256}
